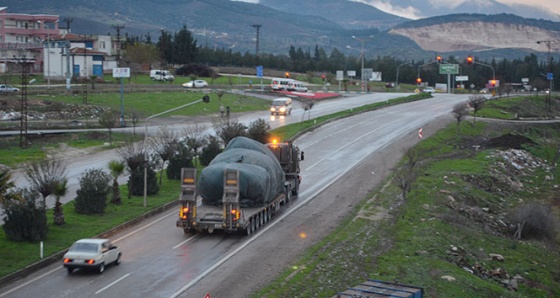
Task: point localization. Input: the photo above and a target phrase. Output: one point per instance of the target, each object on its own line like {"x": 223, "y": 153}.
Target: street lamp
{"x": 205, "y": 98}
{"x": 398, "y": 67}
{"x": 362, "y": 40}
{"x": 549, "y": 75}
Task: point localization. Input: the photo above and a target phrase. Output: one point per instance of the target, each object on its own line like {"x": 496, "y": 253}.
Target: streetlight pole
{"x": 205, "y": 99}
{"x": 362, "y": 40}
{"x": 550, "y": 79}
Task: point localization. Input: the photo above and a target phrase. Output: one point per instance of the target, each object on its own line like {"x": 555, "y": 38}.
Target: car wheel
{"x": 70, "y": 270}
{"x": 118, "y": 260}
{"x": 101, "y": 268}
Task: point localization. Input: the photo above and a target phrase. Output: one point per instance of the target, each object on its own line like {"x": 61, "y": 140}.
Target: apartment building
{"x": 53, "y": 51}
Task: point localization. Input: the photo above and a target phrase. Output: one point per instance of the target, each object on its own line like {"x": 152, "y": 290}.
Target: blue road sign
{"x": 259, "y": 71}
{"x": 549, "y": 76}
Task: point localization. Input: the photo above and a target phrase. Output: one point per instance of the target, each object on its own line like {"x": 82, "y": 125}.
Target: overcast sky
{"x": 553, "y": 5}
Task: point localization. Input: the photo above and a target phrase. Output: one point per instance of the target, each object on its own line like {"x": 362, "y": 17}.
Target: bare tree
{"x": 259, "y": 131}
{"x": 476, "y": 102}
{"x": 460, "y": 111}
{"x": 44, "y": 176}
{"x": 133, "y": 155}
{"x": 134, "y": 119}
{"x": 406, "y": 174}
{"x": 196, "y": 137}
{"x": 6, "y": 184}
{"x": 164, "y": 146}
{"x": 109, "y": 119}
{"x": 229, "y": 130}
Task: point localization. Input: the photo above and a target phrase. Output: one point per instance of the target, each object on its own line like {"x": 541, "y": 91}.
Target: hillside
{"x": 477, "y": 33}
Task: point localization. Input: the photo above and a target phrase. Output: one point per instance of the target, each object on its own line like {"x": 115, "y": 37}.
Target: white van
{"x": 278, "y": 84}
{"x": 161, "y": 75}
{"x": 296, "y": 86}
{"x": 281, "y": 106}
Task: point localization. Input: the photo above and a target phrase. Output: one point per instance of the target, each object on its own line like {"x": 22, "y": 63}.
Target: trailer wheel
{"x": 249, "y": 228}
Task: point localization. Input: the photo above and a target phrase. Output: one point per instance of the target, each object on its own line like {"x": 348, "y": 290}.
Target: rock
{"x": 496, "y": 257}
{"x": 512, "y": 285}
{"x": 421, "y": 252}
{"x": 448, "y": 278}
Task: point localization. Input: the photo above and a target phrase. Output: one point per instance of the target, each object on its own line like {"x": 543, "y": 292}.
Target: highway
{"x": 159, "y": 260}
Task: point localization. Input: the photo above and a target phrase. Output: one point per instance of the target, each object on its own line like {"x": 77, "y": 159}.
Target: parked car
{"x": 429, "y": 90}
{"x": 8, "y": 88}
{"x": 196, "y": 84}
{"x": 296, "y": 86}
{"x": 92, "y": 254}
{"x": 281, "y": 106}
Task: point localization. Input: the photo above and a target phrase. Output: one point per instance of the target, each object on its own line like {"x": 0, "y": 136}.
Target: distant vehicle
{"x": 161, "y": 75}
{"x": 278, "y": 84}
{"x": 93, "y": 254}
{"x": 429, "y": 90}
{"x": 281, "y": 106}
{"x": 296, "y": 86}
{"x": 7, "y": 88}
{"x": 484, "y": 90}
{"x": 196, "y": 84}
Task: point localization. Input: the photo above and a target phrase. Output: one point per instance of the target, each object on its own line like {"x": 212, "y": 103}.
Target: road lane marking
{"x": 143, "y": 227}
{"x": 185, "y": 242}
{"x": 31, "y": 281}
{"x": 111, "y": 284}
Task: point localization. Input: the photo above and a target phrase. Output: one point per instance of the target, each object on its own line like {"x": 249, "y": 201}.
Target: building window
{"x": 102, "y": 45}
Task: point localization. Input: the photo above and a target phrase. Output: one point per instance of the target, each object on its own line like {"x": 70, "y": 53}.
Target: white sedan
{"x": 196, "y": 84}
{"x": 91, "y": 254}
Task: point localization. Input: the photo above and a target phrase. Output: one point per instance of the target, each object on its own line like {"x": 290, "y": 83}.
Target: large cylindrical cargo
{"x": 261, "y": 178}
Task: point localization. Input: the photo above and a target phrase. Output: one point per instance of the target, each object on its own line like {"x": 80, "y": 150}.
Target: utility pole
{"x": 258, "y": 27}
{"x": 118, "y": 28}
{"x": 550, "y": 71}
{"x": 362, "y": 57}
{"x": 25, "y": 64}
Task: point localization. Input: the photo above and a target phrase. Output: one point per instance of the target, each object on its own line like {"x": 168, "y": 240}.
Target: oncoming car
{"x": 281, "y": 106}
{"x": 93, "y": 254}
{"x": 429, "y": 90}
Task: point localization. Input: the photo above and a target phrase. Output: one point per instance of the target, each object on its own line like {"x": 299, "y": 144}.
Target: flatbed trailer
{"x": 229, "y": 216}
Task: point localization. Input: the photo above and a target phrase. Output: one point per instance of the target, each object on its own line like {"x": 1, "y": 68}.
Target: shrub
{"x": 198, "y": 70}
{"x": 212, "y": 149}
{"x": 534, "y": 220}
{"x": 181, "y": 158}
{"x": 92, "y": 195}
{"x": 24, "y": 220}
{"x": 259, "y": 131}
{"x": 136, "y": 182}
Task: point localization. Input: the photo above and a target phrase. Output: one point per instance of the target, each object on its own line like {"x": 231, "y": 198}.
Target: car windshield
{"x": 84, "y": 247}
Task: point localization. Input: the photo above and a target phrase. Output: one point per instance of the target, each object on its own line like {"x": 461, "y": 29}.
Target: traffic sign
{"x": 420, "y": 133}
{"x": 461, "y": 78}
{"x": 122, "y": 72}
{"x": 550, "y": 76}
{"x": 340, "y": 75}
{"x": 449, "y": 69}
{"x": 259, "y": 71}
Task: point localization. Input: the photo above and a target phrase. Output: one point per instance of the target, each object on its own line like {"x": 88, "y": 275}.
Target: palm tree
{"x": 5, "y": 185}
{"x": 60, "y": 190}
{"x": 117, "y": 169}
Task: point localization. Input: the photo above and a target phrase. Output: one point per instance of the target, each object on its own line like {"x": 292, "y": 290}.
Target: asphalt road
{"x": 159, "y": 260}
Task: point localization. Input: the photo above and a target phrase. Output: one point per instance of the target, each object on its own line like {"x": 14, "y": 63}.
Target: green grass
{"x": 148, "y": 104}
{"x": 12, "y": 155}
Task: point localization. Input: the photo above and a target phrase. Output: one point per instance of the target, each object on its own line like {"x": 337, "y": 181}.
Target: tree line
{"x": 173, "y": 50}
